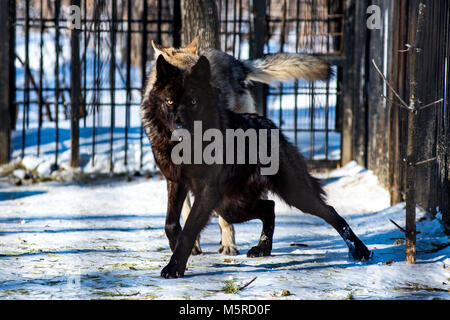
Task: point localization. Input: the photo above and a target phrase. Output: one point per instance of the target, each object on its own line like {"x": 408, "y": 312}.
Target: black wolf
{"x": 233, "y": 76}
{"x": 234, "y": 191}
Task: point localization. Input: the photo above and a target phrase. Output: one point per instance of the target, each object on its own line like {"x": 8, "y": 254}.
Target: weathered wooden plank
{"x": 397, "y": 75}
{"x": 6, "y": 59}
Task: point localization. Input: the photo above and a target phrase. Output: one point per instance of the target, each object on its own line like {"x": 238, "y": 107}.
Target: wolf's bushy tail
{"x": 286, "y": 67}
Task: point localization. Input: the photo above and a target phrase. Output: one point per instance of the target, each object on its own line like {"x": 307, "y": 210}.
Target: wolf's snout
{"x": 178, "y": 122}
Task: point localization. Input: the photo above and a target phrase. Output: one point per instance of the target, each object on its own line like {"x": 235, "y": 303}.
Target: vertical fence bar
{"x": 12, "y": 68}
{"x": 41, "y": 76}
{"x": 6, "y": 59}
{"x": 85, "y": 63}
{"x": 240, "y": 30}
{"x": 95, "y": 92}
{"x": 75, "y": 93}
{"x": 297, "y": 39}
{"x": 282, "y": 43}
{"x": 159, "y": 33}
{"x": 311, "y": 122}
{"x": 176, "y": 43}
{"x": 312, "y": 45}
{"x": 27, "y": 65}
{"x": 234, "y": 26}
{"x": 327, "y": 87}
{"x": 57, "y": 49}
{"x": 112, "y": 81}
{"x": 128, "y": 75}
{"x": 176, "y": 31}
{"x": 26, "y": 92}
{"x": 257, "y": 34}
{"x": 225, "y": 48}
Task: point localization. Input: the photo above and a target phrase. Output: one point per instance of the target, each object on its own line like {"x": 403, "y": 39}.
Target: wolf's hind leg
{"x": 265, "y": 209}
{"x": 196, "y": 250}
{"x": 262, "y": 210}
{"x": 315, "y": 206}
{"x": 227, "y": 244}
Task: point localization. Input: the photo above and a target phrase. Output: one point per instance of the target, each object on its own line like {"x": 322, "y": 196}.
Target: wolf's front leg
{"x": 176, "y": 193}
{"x": 196, "y": 250}
{"x": 198, "y": 217}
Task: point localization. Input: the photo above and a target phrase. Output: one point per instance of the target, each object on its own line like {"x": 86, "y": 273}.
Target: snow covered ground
{"x": 105, "y": 239}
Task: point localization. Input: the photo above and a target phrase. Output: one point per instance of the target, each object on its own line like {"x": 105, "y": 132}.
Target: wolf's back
{"x": 287, "y": 66}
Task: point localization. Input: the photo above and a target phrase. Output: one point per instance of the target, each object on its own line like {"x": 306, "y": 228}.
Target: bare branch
{"x": 431, "y": 104}
{"x": 390, "y": 87}
{"x": 425, "y": 161}
{"x": 395, "y": 103}
{"x": 246, "y": 285}
{"x": 400, "y": 228}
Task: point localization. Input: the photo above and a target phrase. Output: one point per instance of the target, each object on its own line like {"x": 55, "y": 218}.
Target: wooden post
{"x": 360, "y": 112}
{"x": 6, "y": 59}
{"x": 75, "y": 94}
{"x": 348, "y": 84}
{"x": 415, "y": 64}
{"x": 257, "y": 37}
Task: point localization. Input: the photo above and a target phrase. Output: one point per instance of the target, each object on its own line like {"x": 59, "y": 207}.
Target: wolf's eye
{"x": 194, "y": 101}
{"x": 169, "y": 101}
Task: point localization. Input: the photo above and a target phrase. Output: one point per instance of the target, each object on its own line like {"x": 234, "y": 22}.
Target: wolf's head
{"x": 186, "y": 95}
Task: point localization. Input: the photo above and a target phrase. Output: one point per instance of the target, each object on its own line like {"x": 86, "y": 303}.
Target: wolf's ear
{"x": 164, "y": 69}
{"x": 202, "y": 70}
{"x": 193, "y": 46}
{"x": 157, "y": 48}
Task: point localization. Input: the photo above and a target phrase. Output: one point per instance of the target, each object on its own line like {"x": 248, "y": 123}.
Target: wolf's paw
{"x": 172, "y": 271}
{"x": 228, "y": 250}
{"x": 196, "y": 250}
{"x": 259, "y": 251}
{"x": 361, "y": 253}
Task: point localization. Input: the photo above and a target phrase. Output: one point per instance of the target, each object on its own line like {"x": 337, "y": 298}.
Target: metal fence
{"x": 115, "y": 57}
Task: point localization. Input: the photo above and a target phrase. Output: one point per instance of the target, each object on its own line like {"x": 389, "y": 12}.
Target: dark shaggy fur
{"x": 233, "y": 191}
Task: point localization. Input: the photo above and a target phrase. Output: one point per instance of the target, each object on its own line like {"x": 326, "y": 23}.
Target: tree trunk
{"x": 200, "y": 18}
